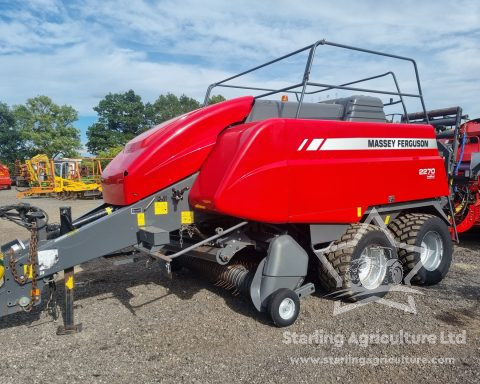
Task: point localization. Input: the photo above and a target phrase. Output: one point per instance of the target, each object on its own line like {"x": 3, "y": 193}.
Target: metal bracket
{"x": 208, "y": 240}
{"x": 305, "y": 290}
{"x": 231, "y": 244}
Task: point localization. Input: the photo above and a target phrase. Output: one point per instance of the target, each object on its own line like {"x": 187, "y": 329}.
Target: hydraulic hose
{"x": 460, "y": 158}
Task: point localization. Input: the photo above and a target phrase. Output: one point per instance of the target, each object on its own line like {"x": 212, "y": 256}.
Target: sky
{"x": 78, "y": 51}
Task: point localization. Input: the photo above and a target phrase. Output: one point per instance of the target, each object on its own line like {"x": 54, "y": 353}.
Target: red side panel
{"x": 307, "y": 171}
{"x": 168, "y": 152}
{"x": 472, "y": 128}
{"x": 5, "y": 181}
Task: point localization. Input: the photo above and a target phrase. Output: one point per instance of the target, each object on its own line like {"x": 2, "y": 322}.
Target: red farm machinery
{"x": 269, "y": 198}
{"x": 466, "y": 176}
{"x": 5, "y": 181}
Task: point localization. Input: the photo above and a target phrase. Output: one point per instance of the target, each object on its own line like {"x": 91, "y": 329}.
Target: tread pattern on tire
{"x": 405, "y": 229}
{"x": 340, "y": 257}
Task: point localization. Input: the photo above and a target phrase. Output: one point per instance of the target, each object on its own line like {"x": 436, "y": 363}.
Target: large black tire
{"x": 344, "y": 257}
{"x": 411, "y": 229}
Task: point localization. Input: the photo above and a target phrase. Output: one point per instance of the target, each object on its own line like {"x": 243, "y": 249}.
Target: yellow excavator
{"x": 64, "y": 178}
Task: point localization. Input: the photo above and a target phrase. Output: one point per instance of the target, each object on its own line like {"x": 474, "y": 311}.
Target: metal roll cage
{"x": 300, "y": 94}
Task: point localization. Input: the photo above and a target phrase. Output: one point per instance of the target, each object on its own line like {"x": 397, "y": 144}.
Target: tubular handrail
{"x": 312, "y": 49}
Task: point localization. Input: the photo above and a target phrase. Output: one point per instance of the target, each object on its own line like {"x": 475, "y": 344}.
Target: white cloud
{"x": 80, "y": 77}
{"x": 76, "y": 52}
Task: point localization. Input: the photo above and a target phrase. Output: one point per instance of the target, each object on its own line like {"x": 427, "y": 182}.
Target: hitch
{"x": 177, "y": 194}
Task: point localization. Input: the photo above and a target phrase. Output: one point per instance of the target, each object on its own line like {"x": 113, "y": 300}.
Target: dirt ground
{"x": 139, "y": 326}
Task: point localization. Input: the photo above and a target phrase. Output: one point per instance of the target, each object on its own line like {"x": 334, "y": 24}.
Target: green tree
{"x": 11, "y": 143}
{"x": 47, "y": 127}
{"x": 216, "y": 99}
{"x": 121, "y": 116}
{"x": 168, "y": 106}
{"x": 108, "y": 154}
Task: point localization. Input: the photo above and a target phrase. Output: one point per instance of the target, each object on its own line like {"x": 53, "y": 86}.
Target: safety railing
{"x": 300, "y": 89}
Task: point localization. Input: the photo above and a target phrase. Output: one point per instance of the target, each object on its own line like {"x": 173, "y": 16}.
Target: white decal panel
{"x": 365, "y": 143}
{"x": 47, "y": 259}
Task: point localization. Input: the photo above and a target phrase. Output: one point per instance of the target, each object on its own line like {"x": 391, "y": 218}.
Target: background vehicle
{"x": 466, "y": 179}
{"x": 5, "y": 181}
{"x": 61, "y": 178}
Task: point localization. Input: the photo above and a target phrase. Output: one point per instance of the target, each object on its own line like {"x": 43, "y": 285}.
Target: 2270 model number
{"x": 428, "y": 172}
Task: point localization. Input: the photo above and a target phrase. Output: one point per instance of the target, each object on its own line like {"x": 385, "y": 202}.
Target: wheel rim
{"x": 373, "y": 267}
{"x": 432, "y": 251}
{"x": 286, "y": 309}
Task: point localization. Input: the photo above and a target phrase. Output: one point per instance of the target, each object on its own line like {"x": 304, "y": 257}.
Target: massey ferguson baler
{"x": 265, "y": 197}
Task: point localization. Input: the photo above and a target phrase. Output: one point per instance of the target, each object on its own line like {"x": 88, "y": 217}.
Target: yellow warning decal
{"x": 161, "y": 208}
{"x": 187, "y": 217}
{"x": 69, "y": 283}
{"x": 387, "y": 219}
{"x": 71, "y": 232}
{"x": 109, "y": 210}
{"x": 28, "y": 271}
{"x": 141, "y": 219}
{"x": 2, "y": 269}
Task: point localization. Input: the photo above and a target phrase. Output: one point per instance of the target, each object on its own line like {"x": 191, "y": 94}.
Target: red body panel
{"x": 472, "y": 218}
{"x": 5, "y": 181}
{"x": 168, "y": 152}
{"x": 472, "y": 129}
{"x": 264, "y": 172}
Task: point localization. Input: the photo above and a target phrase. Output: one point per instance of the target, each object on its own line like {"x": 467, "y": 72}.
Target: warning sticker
{"x": 47, "y": 259}
{"x": 187, "y": 217}
{"x": 141, "y": 219}
{"x": 161, "y": 208}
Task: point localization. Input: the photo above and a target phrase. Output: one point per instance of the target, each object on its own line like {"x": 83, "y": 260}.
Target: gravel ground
{"x": 139, "y": 326}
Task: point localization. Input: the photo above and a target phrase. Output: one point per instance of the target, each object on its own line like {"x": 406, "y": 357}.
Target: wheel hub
{"x": 432, "y": 251}
{"x": 286, "y": 308}
{"x": 373, "y": 267}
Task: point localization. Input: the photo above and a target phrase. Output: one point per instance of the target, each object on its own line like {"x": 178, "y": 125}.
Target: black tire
{"x": 274, "y": 307}
{"x": 345, "y": 258}
{"x": 411, "y": 229}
